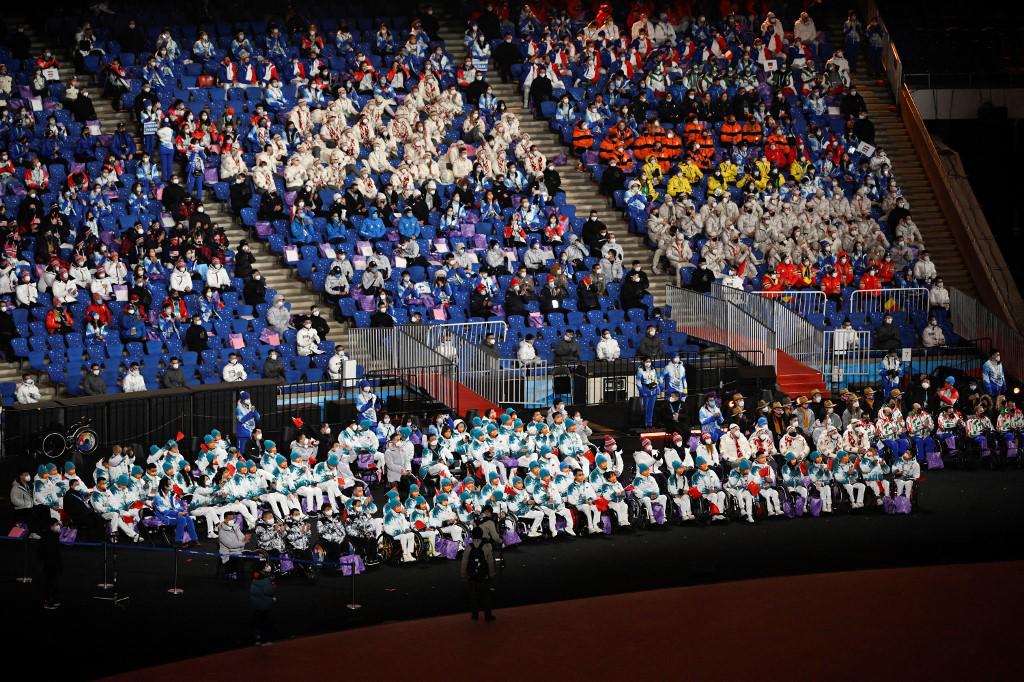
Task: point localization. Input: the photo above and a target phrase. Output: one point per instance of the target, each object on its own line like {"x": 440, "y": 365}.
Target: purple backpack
{"x": 510, "y": 538}
{"x": 814, "y": 506}
{"x": 446, "y": 547}
{"x": 888, "y": 505}
{"x": 901, "y": 504}
{"x": 352, "y": 564}
{"x": 934, "y": 459}
{"x": 659, "y": 513}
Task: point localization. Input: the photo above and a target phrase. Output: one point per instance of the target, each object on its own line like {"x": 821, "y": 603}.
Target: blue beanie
{"x": 744, "y": 465}
{"x": 269, "y": 445}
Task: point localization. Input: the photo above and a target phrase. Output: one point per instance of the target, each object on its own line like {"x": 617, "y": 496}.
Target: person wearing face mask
{"x": 246, "y": 416}
{"x": 710, "y": 416}
{"x": 992, "y": 377}
{"x": 891, "y": 372}
{"x": 272, "y": 367}
{"x": 234, "y": 370}
{"x": 196, "y": 336}
{"x": 133, "y": 381}
{"x": 173, "y": 376}
{"x": 278, "y": 315}
{"x": 607, "y": 348}
{"x": 254, "y": 290}
{"x": 92, "y": 384}
{"x": 932, "y": 335}
{"x": 366, "y": 402}
{"x": 307, "y": 341}
{"x": 651, "y": 345}
{"x": 22, "y": 499}
{"x": 648, "y": 382}
{"x": 887, "y": 336}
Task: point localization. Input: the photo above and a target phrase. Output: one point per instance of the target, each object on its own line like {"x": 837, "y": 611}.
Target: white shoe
{"x": 750, "y": 519}
{"x": 534, "y": 535}
{"x": 570, "y": 531}
{"x": 624, "y": 523}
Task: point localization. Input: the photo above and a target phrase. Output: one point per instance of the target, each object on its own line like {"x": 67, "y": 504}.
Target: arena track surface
{"x": 968, "y": 518}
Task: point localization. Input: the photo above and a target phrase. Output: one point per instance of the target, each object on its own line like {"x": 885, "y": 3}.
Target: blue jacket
{"x": 372, "y": 227}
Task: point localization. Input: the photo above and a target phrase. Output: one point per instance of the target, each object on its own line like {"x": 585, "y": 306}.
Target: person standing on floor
{"x": 261, "y": 598}
{"x": 477, "y": 569}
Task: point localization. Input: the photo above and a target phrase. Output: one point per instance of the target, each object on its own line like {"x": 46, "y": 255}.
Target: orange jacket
{"x": 831, "y": 284}
{"x": 582, "y": 139}
{"x": 871, "y": 282}
{"x": 752, "y": 132}
{"x": 730, "y": 133}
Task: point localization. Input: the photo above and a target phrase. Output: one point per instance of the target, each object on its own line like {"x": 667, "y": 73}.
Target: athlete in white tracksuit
{"x": 847, "y": 474}
{"x": 763, "y": 473}
{"x": 907, "y": 471}
{"x": 738, "y": 485}
{"x": 678, "y": 487}
{"x": 646, "y": 488}
{"x": 582, "y": 495}
{"x": 821, "y": 477}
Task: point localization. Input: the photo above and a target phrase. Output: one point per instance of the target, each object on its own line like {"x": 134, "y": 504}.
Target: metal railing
{"x": 803, "y": 303}
{"x": 718, "y": 319}
{"x": 794, "y": 335}
{"x": 972, "y": 320}
{"x": 910, "y": 300}
{"x": 846, "y": 355}
{"x": 471, "y": 332}
{"x": 416, "y": 389}
{"x": 384, "y": 348}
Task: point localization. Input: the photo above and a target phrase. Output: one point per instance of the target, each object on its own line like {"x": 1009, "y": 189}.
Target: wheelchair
{"x": 701, "y": 508}
{"x": 639, "y": 516}
{"x": 952, "y": 449}
{"x": 390, "y": 550}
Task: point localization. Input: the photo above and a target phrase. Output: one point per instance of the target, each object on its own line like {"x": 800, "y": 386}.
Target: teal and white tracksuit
{"x": 736, "y": 484}
{"x": 307, "y": 487}
{"x": 678, "y": 487}
{"x": 848, "y": 476}
{"x": 646, "y": 489}
{"x": 206, "y": 503}
{"x": 552, "y": 505}
{"x": 616, "y": 496}
{"x": 399, "y": 528}
{"x": 793, "y": 480}
{"x": 420, "y": 517}
{"x": 441, "y": 518}
{"x": 907, "y": 472}
{"x": 764, "y": 475}
{"x": 582, "y": 496}
{"x": 874, "y": 470}
{"x": 821, "y": 478}
{"x": 109, "y": 505}
{"x": 520, "y": 503}
{"x": 710, "y": 487}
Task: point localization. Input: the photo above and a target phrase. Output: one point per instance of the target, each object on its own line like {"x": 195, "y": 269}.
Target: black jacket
{"x": 515, "y": 304}
{"x": 195, "y": 338}
{"x": 272, "y": 369}
{"x": 254, "y": 291}
{"x": 173, "y": 378}
{"x": 567, "y": 352}
{"x": 631, "y": 294}
{"x": 887, "y": 337}
{"x": 93, "y": 385}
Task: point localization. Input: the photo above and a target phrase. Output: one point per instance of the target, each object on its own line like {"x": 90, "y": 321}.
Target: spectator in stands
{"x": 608, "y": 348}
{"x": 633, "y": 292}
{"x": 567, "y": 350}
{"x": 887, "y": 336}
{"x": 307, "y": 341}
{"x": 92, "y": 383}
{"x": 611, "y": 266}
{"x": 864, "y": 129}
{"x": 196, "y": 336}
{"x": 551, "y": 296}
{"x": 272, "y": 367}
{"x": 932, "y": 335}
{"x": 651, "y": 345}
{"x": 133, "y": 381}
{"x": 587, "y": 295}
{"x": 234, "y": 370}
{"x": 527, "y": 352}
{"x": 8, "y": 330}
{"x": 382, "y": 318}
{"x": 59, "y": 319}
{"x": 173, "y": 376}
{"x": 278, "y": 315}
{"x": 254, "y": 291}
{"x": 26, "y": 391}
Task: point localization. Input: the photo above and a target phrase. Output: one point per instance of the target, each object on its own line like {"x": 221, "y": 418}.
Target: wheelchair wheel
{"x": 636, "y": 513}
{"x": 53, "y": 445}
{"x": 421, "y": 547}
{"x": 386, "y": 549}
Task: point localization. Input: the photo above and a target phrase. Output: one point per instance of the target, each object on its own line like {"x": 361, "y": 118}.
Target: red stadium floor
{"x": 937, "y": 622}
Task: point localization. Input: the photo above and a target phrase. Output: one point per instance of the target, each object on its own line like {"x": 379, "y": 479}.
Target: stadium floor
{"x": 676, "y": 633}
{"x": 967, "y": 517}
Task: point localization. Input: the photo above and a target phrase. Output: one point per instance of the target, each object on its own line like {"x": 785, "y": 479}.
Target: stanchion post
{"x": 352, "y": 605}
{"x": 175, "y": 590}
{"x": 106, "y": 584}
{"x": 25, "y": 578}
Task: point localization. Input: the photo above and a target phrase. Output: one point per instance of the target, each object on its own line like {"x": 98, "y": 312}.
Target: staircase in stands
{"x": 277, "y": 276}
{"x": 580, "y": 190}
{"x": 891, "y": 136}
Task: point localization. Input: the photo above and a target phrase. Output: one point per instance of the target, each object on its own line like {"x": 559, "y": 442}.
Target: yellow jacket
{"x": 729, "y": 171}
{"x": 691, "y": 172}
{"x": 678, "y": 184}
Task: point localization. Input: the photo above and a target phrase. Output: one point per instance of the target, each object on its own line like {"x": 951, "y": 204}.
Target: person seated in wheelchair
{"x": 1009, "y": 423}
{"x": 920, "y": 427}
{"x": 874, "y": 470}
{"x": 564, "y": 477}
{"x": 487, "y": 490}
{"x": 444, "y": 520}
{"x": 280, "y": 492}
{"x": 821, "y": 478}
{"x": 793, "y": 478}
{"x": 743, "y": 487}
{"x": 646, "y": 489}
{"x": 521, "y": 503}
{"x": 572, "y": 446}
{"x": 615, "y": 495}
{"x": 891, "y": 430}
{"x": 846, "y": 473}
{"x": 325, "y": 477}
{"x": 552, "y": 504}
{"x": 437, "y": 458}
{"x": 906, "y": 471}
{"x": 330, "y": 529}
{"x": 581, "y": 495}
{"x": 399, "y": 529}
{"x": 979, "y": 427}
{"x": 361, "y": 528}
{"x": 170, "y": 510}
{"x": 298, "y": 538}
{"x": 678, "y": 486}
{"x": 412, "y": 501}
{"x": 705, "y": 484}
{"x": 270, "y": 534}
{"x": 419, "y": 517}
{"x": 207, "y": 503}
{"x": 767, "y": 480}
{"x": 468, "y": 508}
{"x": 547, "y": 458}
